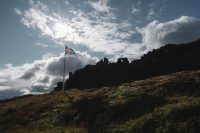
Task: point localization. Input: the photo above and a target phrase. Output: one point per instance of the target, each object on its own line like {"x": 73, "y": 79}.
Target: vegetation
{"x": 163, "y": 104}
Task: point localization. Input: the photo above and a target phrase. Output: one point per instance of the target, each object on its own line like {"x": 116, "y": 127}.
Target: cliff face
{"x": 165, "y": 60}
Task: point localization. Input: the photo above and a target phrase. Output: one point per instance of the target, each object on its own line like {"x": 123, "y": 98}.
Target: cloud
{"x": 34, "y": 18}
{"x": 40, "y": 76}
{"x": 41, "y": 44}
{"x": 97, "y": 32}
{"x": 37, "y": 17}
{"x": 103, "y": 32}
{"x": 28, "y": 75}
{"x": 152, "y": 11}
{"x": 66, "y": 3}
{"x": 100, "y": 5}
{"x": 180, "y": 30}
{"x": 155, "y": 9}
{"x": 135, "y": 8}
{"x": 17, "y": 11}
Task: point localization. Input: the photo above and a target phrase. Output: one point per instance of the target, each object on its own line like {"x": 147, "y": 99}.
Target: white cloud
{"x": 34, "y": 18}
{"x": 156, "y": 9}
{"x": 181, "y": 30}
{"x": 135, "y": 8}
{"x": 101, "y": 32}
{"x": 41, "y": 44}
{"x": 17, "y": 11}
{"x": 39, "y": 76}
{"x": 31, "y": 2}
{"x": 152, "y": 14}
{"x": 66, "y": 3}
{"x": 37, "y": 17}
{"x": 100, "y": 5}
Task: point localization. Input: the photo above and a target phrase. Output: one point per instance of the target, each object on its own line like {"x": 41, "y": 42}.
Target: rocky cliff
{"x": 165, "y": 60}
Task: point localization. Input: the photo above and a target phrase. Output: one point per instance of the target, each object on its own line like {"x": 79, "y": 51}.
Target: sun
{"x": 61, "y": 30}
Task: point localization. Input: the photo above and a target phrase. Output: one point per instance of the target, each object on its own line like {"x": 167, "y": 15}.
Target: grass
{"x": 163, "y": 104}
{"x": 183, "y": 116}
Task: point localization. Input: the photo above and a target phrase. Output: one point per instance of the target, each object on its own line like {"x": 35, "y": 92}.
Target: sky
{"x": 33, "y": 34}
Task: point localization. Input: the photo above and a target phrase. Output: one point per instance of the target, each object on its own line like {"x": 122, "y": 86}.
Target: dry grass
{"x": 151, "y": 105}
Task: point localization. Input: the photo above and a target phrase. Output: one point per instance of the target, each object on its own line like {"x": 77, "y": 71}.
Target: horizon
{"x": 34, "y": 32}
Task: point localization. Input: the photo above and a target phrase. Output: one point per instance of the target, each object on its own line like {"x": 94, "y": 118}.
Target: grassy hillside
{"x": 163, "y": 104}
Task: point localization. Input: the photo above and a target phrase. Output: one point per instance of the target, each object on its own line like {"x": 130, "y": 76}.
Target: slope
{"x": 168, "y": 103}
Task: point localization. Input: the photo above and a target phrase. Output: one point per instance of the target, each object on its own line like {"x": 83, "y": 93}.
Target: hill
{"x": 163, "y": 104}
{"x": 165, "y": 60}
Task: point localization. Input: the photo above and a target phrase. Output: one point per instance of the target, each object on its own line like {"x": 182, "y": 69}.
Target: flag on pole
{"x": 69, "y": 51}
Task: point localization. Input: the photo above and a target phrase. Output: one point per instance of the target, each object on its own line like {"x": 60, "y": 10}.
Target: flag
{"x": 69, "y": 51}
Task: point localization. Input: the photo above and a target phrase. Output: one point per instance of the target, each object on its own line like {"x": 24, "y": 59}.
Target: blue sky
{"x": 33, "y": 33}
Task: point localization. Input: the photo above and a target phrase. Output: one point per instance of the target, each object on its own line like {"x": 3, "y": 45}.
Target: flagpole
{"x": 64, "y": 72}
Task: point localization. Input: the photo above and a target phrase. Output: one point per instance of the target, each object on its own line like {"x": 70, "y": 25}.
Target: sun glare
{"x": 61, "y": 29}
